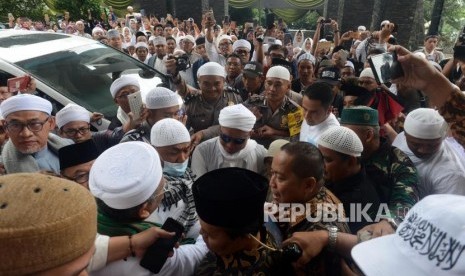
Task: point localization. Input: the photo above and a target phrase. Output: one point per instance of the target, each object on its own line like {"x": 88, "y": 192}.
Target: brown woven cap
{"x": 45, "y": 222}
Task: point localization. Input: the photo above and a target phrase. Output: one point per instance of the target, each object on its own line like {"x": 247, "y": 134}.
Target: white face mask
{"x": 175, "y": 169}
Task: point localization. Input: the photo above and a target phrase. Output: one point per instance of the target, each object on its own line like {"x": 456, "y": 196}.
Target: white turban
{"x": 211, "y": 69}
{"x": 158, "y": 40}
{"x": 242, "y": 43}
{"x": 97, "y": 29}
{"x": 126, "y": 175}
{"x": 23, "y": 102}
{"x": 189, "y": 38}
{"x": 169, "y": 132}
{"x": 306, "y": 56}
{"x": 367, "y": 72}
{"x": 142, "y": 45}
{"x": 425, "y": 123}
{"x": 161, "y": 97}
{"x": 238, "y": 117}
{"x": 72, "y": 113}
{"x": 221, "y": 38}
{"x": 341, "y": 139}
{"x": 279, "y": 72}
{"x": 121, "y": 82}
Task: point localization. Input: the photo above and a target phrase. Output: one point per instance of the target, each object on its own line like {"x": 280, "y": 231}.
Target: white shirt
{"x": 310, "y": 134}
{"x": 442, "y": 173}
{"x": 210, "y": 155}
{"x": 213, "y": 54}
{"x": 184, "y": 261}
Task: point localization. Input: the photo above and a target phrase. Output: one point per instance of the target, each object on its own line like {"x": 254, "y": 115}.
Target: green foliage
{"x": 33, "y": 9}
{"x": 78, "y": 8}
{"x": 452, "y": 20}
{"x": 307, "y": 22}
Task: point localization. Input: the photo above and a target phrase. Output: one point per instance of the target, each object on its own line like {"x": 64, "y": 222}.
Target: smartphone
{"x": 135, "y": 103}
{"x": 131, "y": 17}
{"x": 156, "y": 255}
{"x": 18, "y": 84}
{"x": 385, "y": 67}
{"x": 226, "y": 19}
{"x": 269, "y": 40}
{"x": 209, "y": 15}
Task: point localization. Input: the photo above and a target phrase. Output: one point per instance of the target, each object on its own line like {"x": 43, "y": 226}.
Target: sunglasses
{"x": 228, "y": 139}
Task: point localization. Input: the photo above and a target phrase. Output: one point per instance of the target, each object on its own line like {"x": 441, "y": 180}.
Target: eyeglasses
{"x": 224, "y": 45}
{"x": 80, "y": 178}
{"x": 228, "y": 139}
{"x": 125, "y": 95}
{"x": 74, "y": 131}
{"x": 17, "y": 127}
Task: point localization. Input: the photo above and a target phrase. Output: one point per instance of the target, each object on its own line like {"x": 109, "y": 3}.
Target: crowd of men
{"x": 282, "y": 156}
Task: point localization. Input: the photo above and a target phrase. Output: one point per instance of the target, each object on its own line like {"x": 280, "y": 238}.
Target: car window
{"x": 84, "y": 74}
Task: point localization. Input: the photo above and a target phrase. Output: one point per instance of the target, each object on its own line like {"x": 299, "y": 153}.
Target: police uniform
{"x": 202, "y": 115}
{"x": 288, "y": 117}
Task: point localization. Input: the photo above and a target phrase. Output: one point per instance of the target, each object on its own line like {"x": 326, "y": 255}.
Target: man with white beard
{"x": 234, "y": 145}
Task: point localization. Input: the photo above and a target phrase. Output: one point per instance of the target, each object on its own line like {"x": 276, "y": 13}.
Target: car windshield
{"x": 84, "y": 74}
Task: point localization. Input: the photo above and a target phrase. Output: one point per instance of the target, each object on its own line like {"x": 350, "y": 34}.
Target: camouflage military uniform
{"x": 141, "y": 133}
{"x": 204, "y": 116}
{"x": 395, "y": 177}
{"x": 288, "y": 117}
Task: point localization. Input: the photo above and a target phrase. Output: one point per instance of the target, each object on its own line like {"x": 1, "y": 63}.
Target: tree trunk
{"x": 436, "y": 16}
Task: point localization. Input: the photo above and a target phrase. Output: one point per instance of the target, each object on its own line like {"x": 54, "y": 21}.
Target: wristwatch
{"x": 332, "y": 230}
{"x": 394, "y": 222}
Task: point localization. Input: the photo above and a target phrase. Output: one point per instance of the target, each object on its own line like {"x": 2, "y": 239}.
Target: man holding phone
{"x": 160, "y": 103}
{"x": 139, "y": 190}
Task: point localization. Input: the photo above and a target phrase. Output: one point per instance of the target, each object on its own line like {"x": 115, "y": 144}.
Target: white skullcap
{"x": 71, "y": 113}
{"x": 222, "y": 37}
{"x": 211, "y": 69}
{"x": 126, "y": 175}
{"x": 279, "y": 72}
{"x": 169, "y": 132}
{"x": 361, "y": 28}
{"x": 367, "y": 72}
{"x": 113, "y": 33}
{"x": 190, "y": 38}
{"x": 385, "y": 22}
{"x": 23, "y": 102}
{"x": 161, "y": 97}
{"x": 121, "y": 82}
{"x": 242, "y": 43}
{"x": 278, "y": 42}
{"x": 158, "y": 40}
{"x": 238, "y": 117}
{"x": 306, "y": 56}
{"x": 341, "y": 139}
{"x": 425, "y": 123}
{"x": 349, "y": 64}
{"x": 97, "y": 29}
{"x": 142, "y": 45}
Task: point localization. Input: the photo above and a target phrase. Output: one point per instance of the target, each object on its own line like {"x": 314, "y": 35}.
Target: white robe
{"x": 210, "y": 155}
{"x": 184, "y": 261}
{"x": 442, "y": 173}
{"x": 310, "y": 134}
